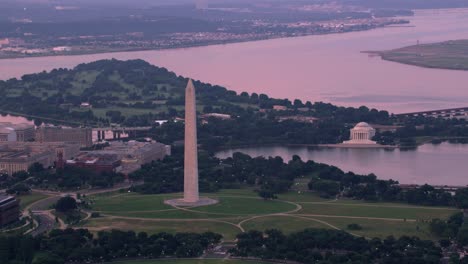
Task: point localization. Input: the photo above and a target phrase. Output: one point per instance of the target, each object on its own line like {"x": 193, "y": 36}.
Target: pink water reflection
{"x": 327, "y": 68}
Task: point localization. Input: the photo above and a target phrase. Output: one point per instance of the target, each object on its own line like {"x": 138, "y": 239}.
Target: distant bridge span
{"x": 461, "y": 112}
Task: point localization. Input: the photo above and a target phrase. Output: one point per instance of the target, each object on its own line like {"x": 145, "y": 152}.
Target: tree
{"x": 461, "y": 198}
{"x": 19, "y": 189}
{"x": 324, "y": 187}
{"x": 36, "y": 168}
{"x": 267, "y": 194}
{"x": 47, "y": 258}
{"x": 354, "y": 227}
{"x": 66, "y": 204}
{"x": 462, "y": 237}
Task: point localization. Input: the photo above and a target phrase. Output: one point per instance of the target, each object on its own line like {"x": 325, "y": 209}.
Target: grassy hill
{"x": 117, "y": 90}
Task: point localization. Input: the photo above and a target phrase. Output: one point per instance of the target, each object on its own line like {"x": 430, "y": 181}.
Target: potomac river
{"x": 328, "y": 68}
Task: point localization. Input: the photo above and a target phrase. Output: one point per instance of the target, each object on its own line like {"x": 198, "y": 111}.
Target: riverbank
{"x": 434, "y": 164}
{"x": 107, "y": 50}
{"x": 449, "y": 55}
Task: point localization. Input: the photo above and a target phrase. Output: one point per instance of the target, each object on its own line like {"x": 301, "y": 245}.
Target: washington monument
{"x": 191, "y": 195}
{"x": 190, "y": 146}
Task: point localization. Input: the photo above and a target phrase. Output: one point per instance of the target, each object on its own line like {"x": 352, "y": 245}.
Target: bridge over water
{"x": 461, "y": 113}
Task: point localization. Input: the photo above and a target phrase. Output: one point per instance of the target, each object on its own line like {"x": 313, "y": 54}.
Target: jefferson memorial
{"x": 362, "y": 134}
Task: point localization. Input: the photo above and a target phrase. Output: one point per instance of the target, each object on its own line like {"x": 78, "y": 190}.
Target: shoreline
{"x": 382, "y": 55}
{"x": 188, "y": 46}
{"x": 339, "y": 145}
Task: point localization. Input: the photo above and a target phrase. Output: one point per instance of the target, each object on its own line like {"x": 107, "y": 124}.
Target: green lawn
{"x": 140, "y": 211}
{"x": 381, "y": 228}
{"x": 287, "y": 224}
{"x": 301, "y": 196}
{"x": 27, "y": 199}
{"x": 361, "y": 209}
{"x": 246, "y": 206}
{"x": 232, "y": 204}
{"x": 173, "y": 214}
{"x": 192, "y": 261}
{"x": 228, "y": 231}
{"x": 371, "y": 228}
{"x": 129, "y": 202}
{"x": 247, "y": 191}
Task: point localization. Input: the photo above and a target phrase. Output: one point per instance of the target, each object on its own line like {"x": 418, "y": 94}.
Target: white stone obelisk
{"x": 190, "y": 146}
{"x": 191, "y": 195}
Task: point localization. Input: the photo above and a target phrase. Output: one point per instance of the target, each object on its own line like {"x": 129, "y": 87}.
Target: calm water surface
{"x": 443, "y": 164}
{"x": 327, "y": 68}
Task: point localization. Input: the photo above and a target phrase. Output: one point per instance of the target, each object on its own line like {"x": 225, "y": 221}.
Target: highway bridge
{"x": 449, "y": 188}
{"x": 460, "y": 113}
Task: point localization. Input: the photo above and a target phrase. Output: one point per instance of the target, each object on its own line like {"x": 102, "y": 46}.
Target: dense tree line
{"x": 413, "y": 127}
{"x": 330, "y": 181}
{"x": 325, "y": 246}
{"x": 79, "y": 245}
{"x": 271, "y": 176}
{"x": 67, "y": 178}
{"x": 267, "y": 174}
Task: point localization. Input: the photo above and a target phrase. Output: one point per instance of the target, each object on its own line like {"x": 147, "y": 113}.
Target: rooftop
{"x": 95, "y": 158}
{"x": 5, "y": 198}
{"x": 20, "y": 126}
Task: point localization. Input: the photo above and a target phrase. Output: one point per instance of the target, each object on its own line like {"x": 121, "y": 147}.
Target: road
{"x": 42, "y": 209}
{"x": 45, "y": 224}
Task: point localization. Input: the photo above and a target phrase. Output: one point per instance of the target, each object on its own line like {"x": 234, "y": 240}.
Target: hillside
{"x": 451, "y": 55}
{"x": 117, "y": 91}
{"x": 135, "y": 93}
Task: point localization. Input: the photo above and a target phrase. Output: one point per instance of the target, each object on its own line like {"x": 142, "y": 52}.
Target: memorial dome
{"x": 362, "y": 133}
{"x": 363, "y": 125}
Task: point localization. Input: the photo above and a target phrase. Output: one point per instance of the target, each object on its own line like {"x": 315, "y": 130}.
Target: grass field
{"x": 231, "y": 204}
{"x": 130, "y": 202}
{"x": 192, "y": 261}
{"x": 287, "y": 224}
{"x": 372, "y": 210}
{"x": 295, "y": 196}
{"x": 444, "y": 55}
{"x": 228, "y": 231}
{"x": 382, "y": 228}
{"x": 242, "y": 209}
{"x": 27, "y": 199}
{"x": 238, "y": 206}
{"x": 173, "y": 214}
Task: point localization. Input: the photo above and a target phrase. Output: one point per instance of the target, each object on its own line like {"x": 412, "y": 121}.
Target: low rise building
{"x": 280, "y": 108}
{"x": 7, "y": 134}
{"x": 16, "y": 156}
{"x": 24, "y": 132}
{"x": 9, "y": 210}
{"x": 133, "y": 154}
{"x": 78, "y": 135}
{"x": 217, "y": 115}
{"x": 16, "y": 132}
{"x": 298, "y": 118}
{"x": 97, "y": 161}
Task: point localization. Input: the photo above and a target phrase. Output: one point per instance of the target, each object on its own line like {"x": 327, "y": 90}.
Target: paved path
{"x": 41, "y": 209}
{"x": 383, "y": 206}
{"x": 359, "y": 217}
